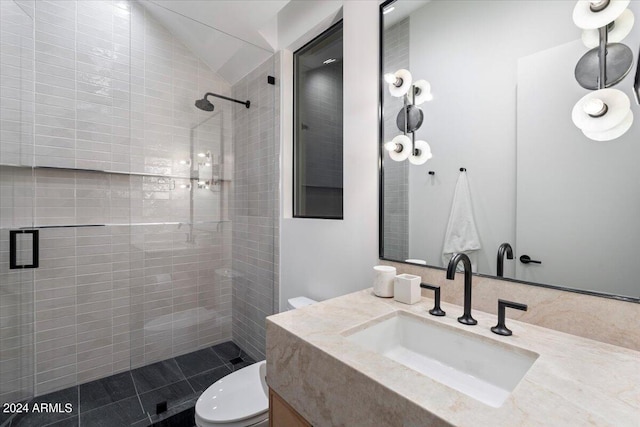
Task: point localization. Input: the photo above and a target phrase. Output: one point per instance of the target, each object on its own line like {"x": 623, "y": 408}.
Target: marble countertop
{"x": 332, "y": 381}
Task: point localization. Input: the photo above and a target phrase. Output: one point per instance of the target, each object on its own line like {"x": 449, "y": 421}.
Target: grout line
{"x": 138, "y": 394}
{"x": 79, "y": 422}
{"x": 184, "y": 377}
{"x": 34, "y": 181}
{"x": 188, "y": 382}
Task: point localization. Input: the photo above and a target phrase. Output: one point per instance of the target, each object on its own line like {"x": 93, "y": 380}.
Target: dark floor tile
{"x": 200, "y": 382}
{"x": 174, "y": 394}
{"x": 198, "y": 362}
{"x": 40, "y": 419}
{"x": 69, "y": 422}
{"x": 4, "y": 417}
{"x": 105, "y": 391}
{"x": 227, "y": 351}
{"x": 156, "y": 375}
{"x": 167, "y": 417}
{"x": 119, "y": 414}
{"x": 184, "y": 418}
{"x": 242, "y": 364}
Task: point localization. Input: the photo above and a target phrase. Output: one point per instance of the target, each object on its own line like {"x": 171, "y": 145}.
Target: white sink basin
{"x": 479, "y": 367}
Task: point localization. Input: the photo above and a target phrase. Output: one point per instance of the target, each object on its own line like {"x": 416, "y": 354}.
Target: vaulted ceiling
{"x": 231, "y": 36}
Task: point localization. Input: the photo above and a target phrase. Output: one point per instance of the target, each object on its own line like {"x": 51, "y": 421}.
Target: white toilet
{"x": 241, "y": 399}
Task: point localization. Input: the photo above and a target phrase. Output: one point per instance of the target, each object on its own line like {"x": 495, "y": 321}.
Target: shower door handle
{"x": 13, "y": 250}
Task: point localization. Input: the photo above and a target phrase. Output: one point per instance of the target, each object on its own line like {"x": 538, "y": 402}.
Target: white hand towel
{"x": 461, "y": 234}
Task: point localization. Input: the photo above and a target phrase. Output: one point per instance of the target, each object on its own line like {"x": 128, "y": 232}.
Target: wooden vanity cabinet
{"x": 281, "y": 414}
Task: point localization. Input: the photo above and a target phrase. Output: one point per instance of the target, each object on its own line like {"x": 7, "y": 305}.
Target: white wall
{"x": 326, "y": 258}
{"x": 575, "y": 214}
{"x": 471, "y": 64}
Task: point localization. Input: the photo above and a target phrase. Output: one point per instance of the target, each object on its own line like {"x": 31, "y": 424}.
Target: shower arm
{"x": 245, "y": 103}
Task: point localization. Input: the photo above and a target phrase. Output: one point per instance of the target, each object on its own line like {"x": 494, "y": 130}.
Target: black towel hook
{"x": 463, "y": 169}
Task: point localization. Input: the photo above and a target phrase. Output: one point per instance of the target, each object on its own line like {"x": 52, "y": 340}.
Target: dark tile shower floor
{"x": 131, "y": 398}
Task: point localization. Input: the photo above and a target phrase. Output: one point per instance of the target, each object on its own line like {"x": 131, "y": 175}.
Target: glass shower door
{"x": 18, "y": 239}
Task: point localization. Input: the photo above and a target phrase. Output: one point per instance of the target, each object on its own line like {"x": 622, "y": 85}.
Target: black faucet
{"x": 466, "y": 318}
{"x": 505, "y": 247}
{"x": 501, "y": 328}
{"x": 436, "y": 310}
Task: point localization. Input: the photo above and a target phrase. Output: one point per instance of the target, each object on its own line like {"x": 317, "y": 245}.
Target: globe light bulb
{"x": 399, "y": 148}
{"x": 390, "y": 78}
{"x": 390, "y": 146}
{"x": 594, "y": 107}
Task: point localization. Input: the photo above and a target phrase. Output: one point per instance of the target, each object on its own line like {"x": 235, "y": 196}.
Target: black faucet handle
{"x": 436, "y": 310}
{"x": 501, "y": 328}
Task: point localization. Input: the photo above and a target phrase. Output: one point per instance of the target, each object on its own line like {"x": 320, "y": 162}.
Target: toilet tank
{"x": 299, "y": 302}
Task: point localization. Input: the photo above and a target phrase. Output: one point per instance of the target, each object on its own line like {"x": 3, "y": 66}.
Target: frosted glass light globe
{"x": 423, "y": 153}
{"x": 617, "y": 103}
{"x": 613, "y": 133}
{"x": 402, "y": 141}
{"x": 621, "y": 29}
{"x": 402, "y": 83}
{"x": 589, "y": 19}
{"x": 423, "y": 92}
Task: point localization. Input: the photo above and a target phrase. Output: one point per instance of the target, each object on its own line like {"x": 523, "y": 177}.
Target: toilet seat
{"x": 240, "y": 399}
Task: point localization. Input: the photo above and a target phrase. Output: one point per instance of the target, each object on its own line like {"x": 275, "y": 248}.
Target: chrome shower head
{"x": 204, "y": 104}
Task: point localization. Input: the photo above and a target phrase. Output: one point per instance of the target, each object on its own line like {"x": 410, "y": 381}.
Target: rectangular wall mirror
{"x": 499, "y": 100}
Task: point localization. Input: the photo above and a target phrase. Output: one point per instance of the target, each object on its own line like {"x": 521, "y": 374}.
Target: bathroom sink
{"x": 485, "y": 369}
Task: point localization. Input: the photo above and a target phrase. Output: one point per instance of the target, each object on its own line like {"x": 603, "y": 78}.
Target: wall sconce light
{"x": 604, "y": 114}
{"x": 421, "y": 153}
{"x": 409, "y": 118}
{"x": 399, "y": 82}
{"x": 617, "y": 30}
{"x": 399, "y": 148}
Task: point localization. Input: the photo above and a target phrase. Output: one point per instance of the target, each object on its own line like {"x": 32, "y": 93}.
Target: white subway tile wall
{"x": 114, "y": 91}
{"x": 16, "y": 197}
{"x": 16, "y": 83}
{"x": 255, "y": 207}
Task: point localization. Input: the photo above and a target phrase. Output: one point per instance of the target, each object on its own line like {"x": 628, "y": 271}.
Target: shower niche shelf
{"x": 131, "y": 224}
{"x": 111, "y": 172}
